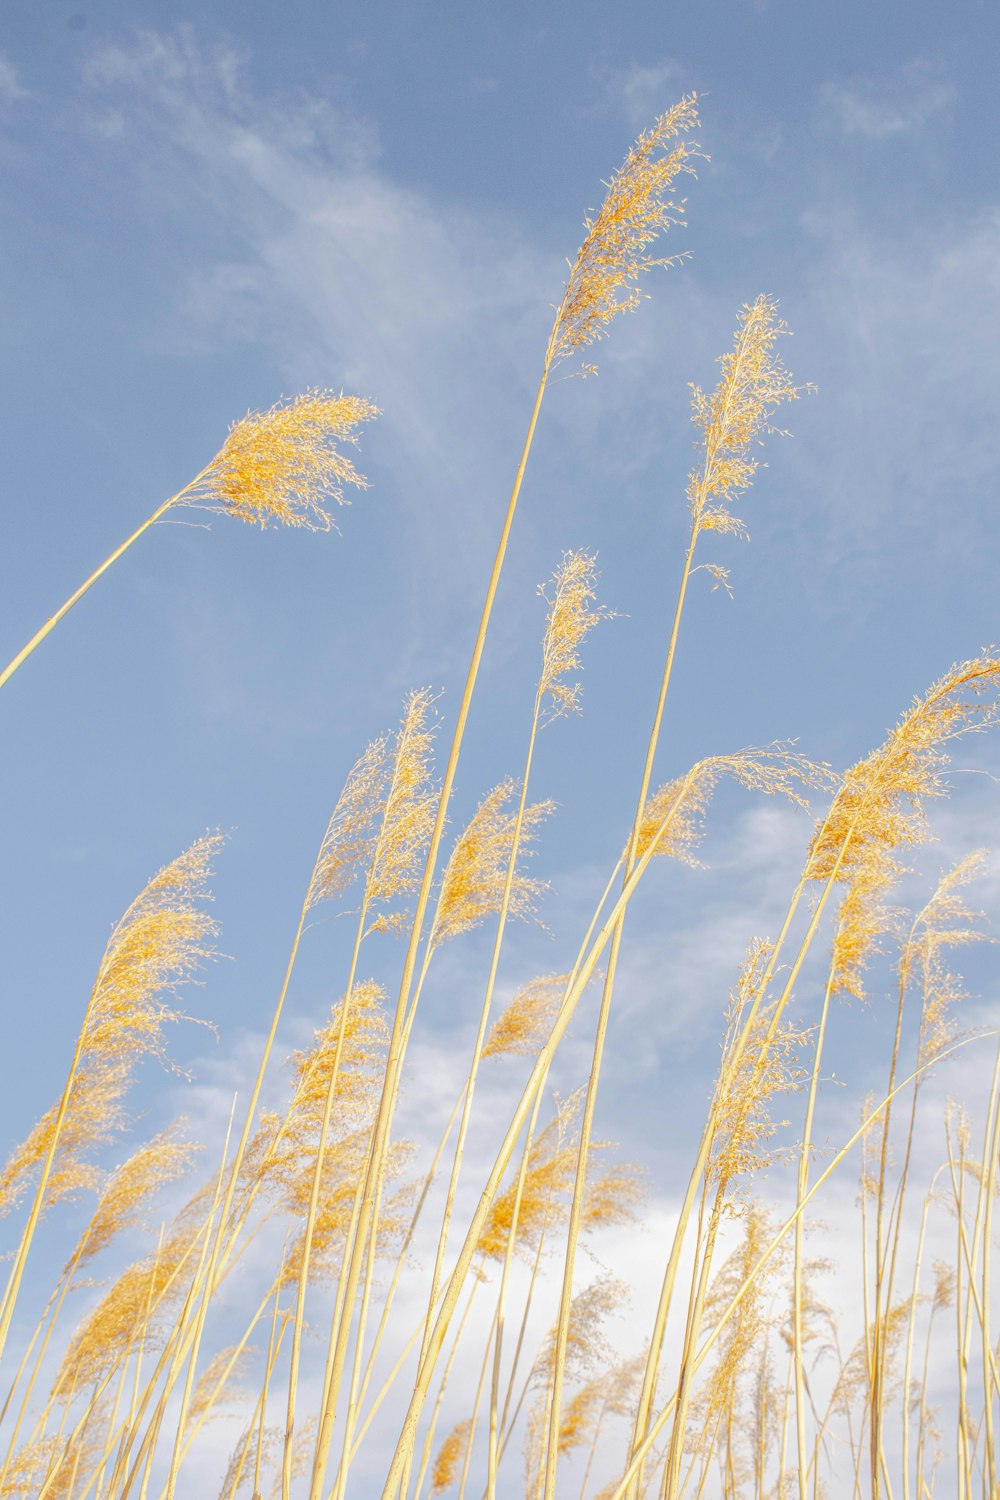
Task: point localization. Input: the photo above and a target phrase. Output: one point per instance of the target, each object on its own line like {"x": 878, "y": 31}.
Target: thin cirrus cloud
{"x": 881, "y": 108}
{"x": 317, "y": 254}
{"x": 10, "y": 88}
{"x": 905, "y": 338}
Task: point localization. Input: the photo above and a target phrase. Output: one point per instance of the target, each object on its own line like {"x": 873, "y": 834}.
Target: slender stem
{"x": 298, "y": 1321}
{"x": 477, "y": 1050}
{"x": 590, "y": 1102}
{"x": 992, "y": 1145}
{"x": 731, "y": 1307}
{"x": 178, "y": 1452}
{"x": 475, "y": 1410}
{"x": 394, "y": 1061}
{"x": 508, "y": 1258}
{"x": 582, "y": 973}
{"x": 74, "y": 598}
{"x": 799, "y": 1270}
{"x": 449, "y": 1364}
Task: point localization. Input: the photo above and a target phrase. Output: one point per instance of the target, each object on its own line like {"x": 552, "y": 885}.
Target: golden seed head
{"x": 128, "y": 1311}
{"x": 749, "y": 1319}
{"x": 128, "y": 1190}
{"x": 94, "y": 1113}
{"x": 219, "y": 1384}
{"x": 570, "y": 595}
{"x": 733, "y": 418}
{"x": 579, "y": 1416}
{"x": 520, "y": 1030}
{"x": 548, "y": 1176}
{"x": 450, "y": 1455}
{"x": 864, "y": 918}
{"x": 384, "y": 816}
{"x": 944, "y": 1284}
{"x": 347, "y": 1054}
{"x": 281, "y": 466}
{"x": 767, "y": 1064}
{"x": 586, "y": 1343}
{"x": 344, "y": 1161}
{"x": 638, "y": 207}
{"x": 946, "y": 921}
{"x": 472, "y": 886}
{"x": 881, "y": 800}
{"x": 158, "y": 944}
{"x": 613, "y": 1197}
{"x": 673, "y": 816}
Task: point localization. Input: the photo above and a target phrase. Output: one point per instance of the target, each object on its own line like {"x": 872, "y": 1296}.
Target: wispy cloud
{"x": 644, "y": 91}
{"x": 878, "y": 108}
{"x": 905, "y": 329}
{"x": 10, "y": 89}
{"x": 319, "y": 255}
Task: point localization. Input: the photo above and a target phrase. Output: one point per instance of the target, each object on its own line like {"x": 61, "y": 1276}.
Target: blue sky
{"x": 207, "y": 209}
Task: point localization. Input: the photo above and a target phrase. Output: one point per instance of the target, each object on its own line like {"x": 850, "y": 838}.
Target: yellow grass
{"x": 360, "y": 1322}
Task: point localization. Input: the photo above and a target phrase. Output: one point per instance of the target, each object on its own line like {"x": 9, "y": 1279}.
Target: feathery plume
{"x": 383, "y": 818}
{"x": 730, "y": 420}
{"x": 881, "y": 799}
{"x": 215, "y": 1387}
{"x": 239, "y": 1470}
{"x": 764, "y": 1069}
{"x": 360, "y": 1016}
{"x": 550, "y": 1173}
{"x": 94, "y": 1114}
{"x": 156, "y": 946}
{"x": 586, "y": 1348}
{"x": 281, "y": 465}
{"x": 638, "y": 207}
{"x": 879, "y": 808}
{"x": 613, "y": 1197}
{"x": 944, "y": 1284}
{"x": 473, "y": 882}
{"x": 343, "y": 1164}
{"x": 863, "y": 918}
{"x": 621, "y": 1385}
{"x": 749, "y": 1320}
{"x": 674, "y": 814}
{"x": 946, "y": 921}
{"x": 570, "y": 595}
{"x": 520, "y": 1029}
{"x": 580, "y": 1414}
{"x": 119, "y": 1320}
{"x": 587, "y": 1345}
{"x": 53, "y": 1462}
{"x": 129, "y": 1189}
{"x": 450, "y": 1455}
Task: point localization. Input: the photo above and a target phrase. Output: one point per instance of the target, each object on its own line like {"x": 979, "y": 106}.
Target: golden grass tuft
{"x": 640, "y": 206}
{"x": 520, "y": 1029}
{"x": 310, "y": 1221}
{"x": 283, "y": 466}
{"x": 472, "y": 886}
{"x": 449, "y": 1456}
{"x": 573, "y": 613}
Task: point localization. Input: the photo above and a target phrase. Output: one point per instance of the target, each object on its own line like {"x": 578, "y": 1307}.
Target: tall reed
{"x": 446, "y": 1295}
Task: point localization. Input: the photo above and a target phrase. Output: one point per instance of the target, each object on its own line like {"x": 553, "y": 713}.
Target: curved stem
{"x": 77, "y": 595}
{"x": 366, "y": 1226}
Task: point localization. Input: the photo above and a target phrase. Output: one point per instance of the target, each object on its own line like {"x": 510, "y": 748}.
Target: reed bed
{"x": 331, "y": 1309}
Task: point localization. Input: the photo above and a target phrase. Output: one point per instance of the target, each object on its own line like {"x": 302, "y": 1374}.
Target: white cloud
{"x": 321, "y": 257}
{"x": 10, "y": 89}
{"x": 880, "y": 108}
{"x": 645, "y": 91}
{"x": 901, "y": 334}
